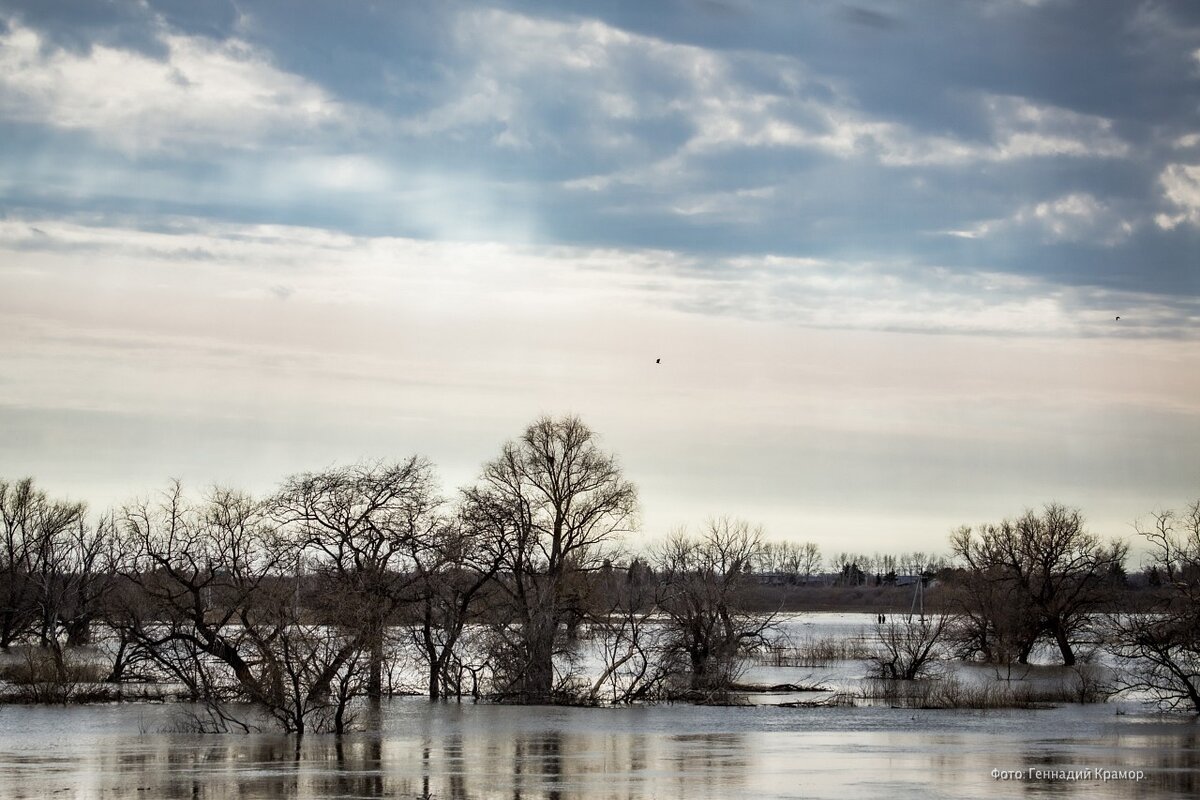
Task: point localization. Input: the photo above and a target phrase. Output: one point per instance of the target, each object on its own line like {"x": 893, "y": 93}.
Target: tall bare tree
{"x": 553, "y": 500}
{"x": 702, "y": 584}
{"x": 799, "y": 560}
{"x": 359, "y": 526}
{"x": 35, "y": 534}
{"x": 1049, "y": 567}
{"x": 72, "y": 574}
{"x": 993, "y": 618}
{"x": 453, "y": 570}
{"x": 1159, "y": 646}
{"x": 215, "y": 607}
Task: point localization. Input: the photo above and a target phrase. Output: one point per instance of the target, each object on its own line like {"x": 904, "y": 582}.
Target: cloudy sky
{"x": 879, "y": 248}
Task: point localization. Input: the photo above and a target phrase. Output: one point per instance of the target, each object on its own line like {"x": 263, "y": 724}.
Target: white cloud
{"x": 203, "y": 93}
{"x": 387, "y": 346}
{"x": 1181, "y": 188}
{"x": 613, "y": 78}
{"x": 1020, "y": 129}
{"x": 1076, "y": 217}
{"x": 205, "y": 265}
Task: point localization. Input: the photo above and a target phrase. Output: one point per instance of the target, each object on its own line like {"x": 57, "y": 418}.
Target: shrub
{"x": 42, "y": 676}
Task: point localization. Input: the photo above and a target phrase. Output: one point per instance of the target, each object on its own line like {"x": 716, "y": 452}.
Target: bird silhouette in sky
{"x": 1118, "y": 319}
{"x": 659, "y": 360}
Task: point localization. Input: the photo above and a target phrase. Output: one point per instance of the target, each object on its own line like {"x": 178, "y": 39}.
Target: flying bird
{"x": 1118, "y": 319}
{"x": 659, "y": 360}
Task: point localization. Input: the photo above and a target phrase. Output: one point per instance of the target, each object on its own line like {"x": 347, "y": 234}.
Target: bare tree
{"x": 905, "y": 648}
{"x": 453, "y": 569}
{"x": 34, "y": 533}
{"x": 809, "y": 562}
{"x": 72, "y": 573}
{"x": 992, "y": 617}
{"x": 1047, "y": 566}
{"x": 633, "y": 649}
{"x": 799, "y": 560}
{"x": 215, "y": 607}
{"x": 553, "y": 500}
{"x": 920, "y": 563}
{"x": 703, "y": 582}
{"x": 360, "y": 525}
{"x": 850, "y": 568}
{"x": 1159, "y": 647}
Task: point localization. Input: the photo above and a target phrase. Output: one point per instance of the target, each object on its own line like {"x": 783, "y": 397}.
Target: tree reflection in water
{"x": 420, "y": 750}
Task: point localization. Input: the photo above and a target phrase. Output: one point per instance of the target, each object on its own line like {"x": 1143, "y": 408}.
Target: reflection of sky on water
{"x": 452, "y": 751}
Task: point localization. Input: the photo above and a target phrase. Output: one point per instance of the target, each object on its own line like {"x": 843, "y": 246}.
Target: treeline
{"x": 293, "y": 603}
{"x": 298, "y": 604}
{"x": 1042, "y": 581}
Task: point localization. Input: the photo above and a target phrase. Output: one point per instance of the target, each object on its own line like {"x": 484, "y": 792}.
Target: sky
{"x": 880, "y": 250}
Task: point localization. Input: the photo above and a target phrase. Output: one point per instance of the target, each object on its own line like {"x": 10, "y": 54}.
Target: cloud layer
{"x": 882, "y": 247}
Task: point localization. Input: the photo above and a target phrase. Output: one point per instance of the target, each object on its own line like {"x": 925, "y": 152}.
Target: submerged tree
{"x": 703, "y": 581}
{"x": 55, "y": 566}
{"x": 906, "y": 648}
{"x": 36, "y": 534}
{"x": 453, "y": 570}
{"x": 1159, "y": 646}
{"x": 992, "y": 617}
{"x": 1041, "y": 575}
{"x": 358, "y": 528}
{"x": 552, "y": 501}
{"x": 213, "y": 601}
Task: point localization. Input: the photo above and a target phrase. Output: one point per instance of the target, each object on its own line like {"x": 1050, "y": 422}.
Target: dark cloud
{"x": 78, "y": 25}
{"x": 605, "y": 153}
{"x": 213, "y": 18}
{"x": 869, "y": 18}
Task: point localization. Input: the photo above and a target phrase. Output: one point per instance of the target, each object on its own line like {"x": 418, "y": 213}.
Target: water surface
{"x": 482, "y": 751}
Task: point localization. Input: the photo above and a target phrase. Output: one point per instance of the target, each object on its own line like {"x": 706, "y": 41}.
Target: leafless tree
{"x": 72, "y": 573}
{"x": 1159, "y": 647}
{"x": 35, "y": 530}
{"x": 800, "y": 560}
{"x": 703, "y": 580}
{"x": 993, "y": 619}
{"x": 553, "y": 501}
{"x": 1047, "y": 567}
{"x": 633, "y": 649}
{"x": 214, "y": 605}
{"x": 850, "y": 568}
{"x": 359, "y": 526}
{"x": 883, "y": 565}
{"x": 905, "y": 648}
{"x": 919, "y": 563}
{"x": 453, "y": 570}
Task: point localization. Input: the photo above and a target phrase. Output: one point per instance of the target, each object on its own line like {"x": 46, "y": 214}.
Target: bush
{"x": 814, "y": 652}
{"x": 41, "y": 676}
{"x": 1083, "y": 685}
{"x": 906, "y": 649}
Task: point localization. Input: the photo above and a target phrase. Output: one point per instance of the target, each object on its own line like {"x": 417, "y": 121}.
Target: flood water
{"x": 411, "y": 748}
{"x": 481, "y": 751}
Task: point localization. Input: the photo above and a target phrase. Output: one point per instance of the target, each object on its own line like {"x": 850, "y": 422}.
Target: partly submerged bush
{"x": 1083, "y": 684}
{"x": 815, "y": 652}
{"x": 907, "y": 649}
{"x": 42, "y": 676}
